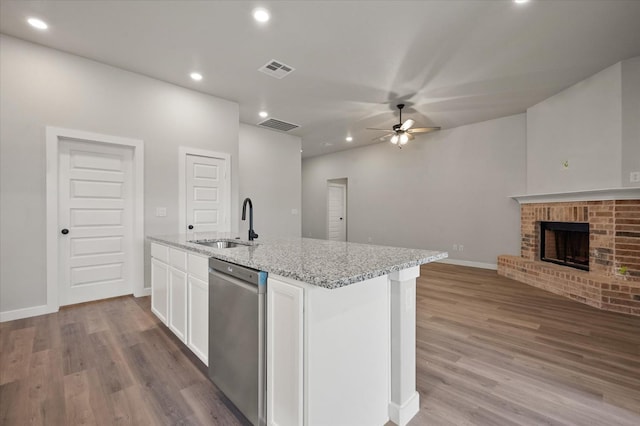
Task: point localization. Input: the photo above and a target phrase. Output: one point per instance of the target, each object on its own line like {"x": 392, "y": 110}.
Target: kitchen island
{"x": 340, "y": 322}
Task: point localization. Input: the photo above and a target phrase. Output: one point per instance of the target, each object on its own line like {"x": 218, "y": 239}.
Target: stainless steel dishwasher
{"x": 237, "y": 336}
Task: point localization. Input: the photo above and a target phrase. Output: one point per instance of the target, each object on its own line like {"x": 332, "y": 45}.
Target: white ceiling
{"x": 452, "y": 62}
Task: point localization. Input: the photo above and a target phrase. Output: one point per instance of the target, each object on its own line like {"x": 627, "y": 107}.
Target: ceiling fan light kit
{"x": 402, "y": 132}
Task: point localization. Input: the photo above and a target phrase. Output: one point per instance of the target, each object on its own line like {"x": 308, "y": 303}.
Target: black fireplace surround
{"x": 565, "y": 243}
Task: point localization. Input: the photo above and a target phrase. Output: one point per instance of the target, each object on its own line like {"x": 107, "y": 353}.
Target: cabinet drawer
{"x": 178, "y": 259}
{"x": 199, "y": 267}
{"x": 160, "y": 252}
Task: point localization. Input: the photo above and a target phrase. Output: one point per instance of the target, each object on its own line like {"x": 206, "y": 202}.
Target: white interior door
{"x": 206, "y": 188}
{"x": 336, "y": 212}
{"x": 95, "y": 215}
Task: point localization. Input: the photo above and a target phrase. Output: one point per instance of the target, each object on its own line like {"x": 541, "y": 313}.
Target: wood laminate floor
{"x": 490, "y": 351}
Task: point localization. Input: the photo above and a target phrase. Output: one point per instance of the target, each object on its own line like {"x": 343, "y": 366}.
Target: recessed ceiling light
{"x": 261, "y": 15}
{"x": 263, "y": 114}
{"x": 37, "y": 23}
{"x": 521, "y": 1}
{"x": 349, "y": 139}
{"x": 196, "y": 76}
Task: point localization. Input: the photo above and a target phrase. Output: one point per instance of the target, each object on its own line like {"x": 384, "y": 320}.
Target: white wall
{"x": 630, "y": 120}
{"x": 270, "y": 169}
{"x": 44, "y": 87}
{"x": 595, "y": 125}
{"x": 450, "y": 187}
{"x": 583, "y": 125}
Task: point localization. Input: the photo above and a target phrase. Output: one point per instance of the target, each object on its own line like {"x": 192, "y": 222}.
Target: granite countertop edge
{"x": 307, "y": 277}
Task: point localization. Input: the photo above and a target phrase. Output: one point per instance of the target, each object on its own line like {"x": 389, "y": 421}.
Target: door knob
{"x": 190, "y": 226}
{"x": 340, "y": 218}
{"x": 65, "y": 231}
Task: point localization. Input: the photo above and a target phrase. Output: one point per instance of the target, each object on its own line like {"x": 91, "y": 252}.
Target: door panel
{"x": 205, "y": 192}
{"x": 93, "y": 246}
{"x": 160, "y": 288}
{"x": 198, "y": 308}
{"x": 95, "y": 202}
{"x": 88, "y": 189}
{"x": 95, "y": 217}
{"x": 178, "y": 303}
{"x": 92, "y": 274}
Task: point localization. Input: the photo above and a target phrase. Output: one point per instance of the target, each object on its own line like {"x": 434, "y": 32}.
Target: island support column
{"x": 405, "y": 400}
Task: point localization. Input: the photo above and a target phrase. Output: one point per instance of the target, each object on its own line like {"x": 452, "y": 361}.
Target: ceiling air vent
{"x": 283, "y": 126}
{"x": 276, "y": 69}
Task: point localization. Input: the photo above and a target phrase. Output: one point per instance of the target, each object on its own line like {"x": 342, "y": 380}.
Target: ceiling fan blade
{"x": 423, "y": 129}
{"x": 407, "y": 124}
{"x": 410, "y": 136}
{"x": 373, "y": 128}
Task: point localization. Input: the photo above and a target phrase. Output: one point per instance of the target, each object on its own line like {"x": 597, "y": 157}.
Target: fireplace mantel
{"x": 592, "y": 195}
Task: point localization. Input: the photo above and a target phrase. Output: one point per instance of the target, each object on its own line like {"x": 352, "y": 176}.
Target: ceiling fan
{"x": 402, "y": 133}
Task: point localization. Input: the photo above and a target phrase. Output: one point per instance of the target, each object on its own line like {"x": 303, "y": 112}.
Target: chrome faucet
{"x": 252, "y": 233}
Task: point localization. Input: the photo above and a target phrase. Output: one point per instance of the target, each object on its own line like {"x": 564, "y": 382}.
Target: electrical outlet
{"x": 460, "y": 247}
{"x": 294, "y": 211}
{"x": 161, "y": 211}
{"x": 634, "y": 177}
{"x": 455, "y": 247}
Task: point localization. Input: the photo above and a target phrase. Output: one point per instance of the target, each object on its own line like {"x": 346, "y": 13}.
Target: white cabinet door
{"x": 285, "y": 355}
{"x": 198, "y": 312}
{"x": 178, "y": 302}
{"x": 159, "y": 289}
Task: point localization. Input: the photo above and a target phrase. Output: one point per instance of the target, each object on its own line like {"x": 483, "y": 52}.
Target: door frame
{"x": 344, "y": 206}
{"x": 183, "y": 151}
{"x": 53, "y": 136}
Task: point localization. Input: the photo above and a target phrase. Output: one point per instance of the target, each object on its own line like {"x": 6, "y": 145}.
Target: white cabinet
{"x": 180, "y": 295}
{"x": 178, "y": 303}
{"x": 198, "y": 306}
{"x": 160, "y": 289}
{"x": 285, "y": 352}
{"x": 327, "y": 353}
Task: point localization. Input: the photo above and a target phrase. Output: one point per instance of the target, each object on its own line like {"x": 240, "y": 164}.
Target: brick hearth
{"x": 613, "y": 280}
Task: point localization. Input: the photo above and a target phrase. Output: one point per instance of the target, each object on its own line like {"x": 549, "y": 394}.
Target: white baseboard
{"x": 45, "y": 309}
{"x": 145, "y": 292}
{"x": 401, "y": 415}
{"x": 493, "y": 266}
{"x": 26, "y": 313}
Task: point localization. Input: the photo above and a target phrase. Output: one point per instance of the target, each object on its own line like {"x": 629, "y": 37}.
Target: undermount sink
{"x": 220, "y": 243}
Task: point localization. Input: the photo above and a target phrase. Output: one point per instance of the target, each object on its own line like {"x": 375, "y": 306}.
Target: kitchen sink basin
{"x": 220, "y": 243}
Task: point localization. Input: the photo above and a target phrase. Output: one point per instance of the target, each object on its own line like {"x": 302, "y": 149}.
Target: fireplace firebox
{"x": 565, "y": 243}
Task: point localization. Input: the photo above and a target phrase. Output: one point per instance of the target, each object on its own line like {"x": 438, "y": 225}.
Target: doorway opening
{"x": 204, "y": 194}
{"x": 95, "y": 222}
{"x": 337, "y": 190}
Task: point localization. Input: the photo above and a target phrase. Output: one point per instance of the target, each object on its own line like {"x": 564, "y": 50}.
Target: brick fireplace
{"x": 613, "y": 279}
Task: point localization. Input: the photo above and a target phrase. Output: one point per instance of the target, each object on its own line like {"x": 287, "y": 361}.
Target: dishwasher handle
{"x": 216, "y": 276}
{"x": 241, "y": 272}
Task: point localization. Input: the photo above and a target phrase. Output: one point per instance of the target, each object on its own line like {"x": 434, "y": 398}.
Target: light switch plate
{"x": 161, "y": 211}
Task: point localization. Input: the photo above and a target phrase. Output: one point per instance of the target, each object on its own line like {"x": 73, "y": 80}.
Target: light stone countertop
{"x": 329, "y": 264}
